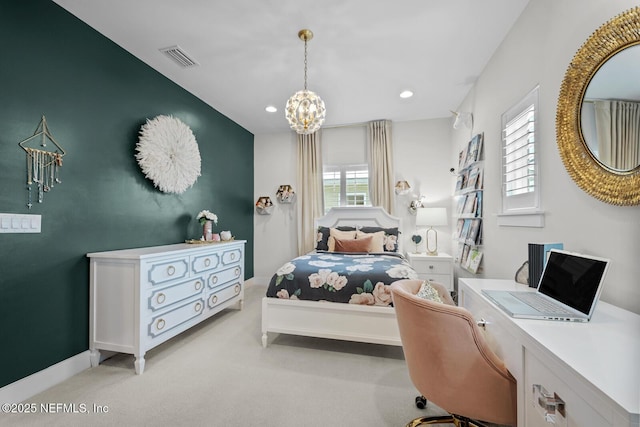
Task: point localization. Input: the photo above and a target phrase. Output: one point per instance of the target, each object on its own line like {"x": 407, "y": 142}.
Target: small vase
{"x": 207, "y": 230}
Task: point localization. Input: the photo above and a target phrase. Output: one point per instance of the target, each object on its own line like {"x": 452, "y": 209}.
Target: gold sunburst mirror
{"x": 592, "y": 81}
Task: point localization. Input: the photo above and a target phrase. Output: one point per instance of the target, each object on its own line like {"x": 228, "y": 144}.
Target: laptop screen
{"x": 573, "y": 279}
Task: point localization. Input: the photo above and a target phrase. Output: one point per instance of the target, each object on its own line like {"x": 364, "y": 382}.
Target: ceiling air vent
{"x": 180, "y": 56}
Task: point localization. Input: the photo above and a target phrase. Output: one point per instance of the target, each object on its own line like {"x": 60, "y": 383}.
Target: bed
{"x": 346, "y": 295}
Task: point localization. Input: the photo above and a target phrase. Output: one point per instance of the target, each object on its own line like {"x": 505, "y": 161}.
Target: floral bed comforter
{"x": 352, "y": 278}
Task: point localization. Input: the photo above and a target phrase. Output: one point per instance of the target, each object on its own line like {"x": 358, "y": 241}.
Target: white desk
{"x": 594, "y": 368}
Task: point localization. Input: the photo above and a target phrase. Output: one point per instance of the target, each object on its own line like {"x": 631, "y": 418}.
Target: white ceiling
{"x": 363, "y": 53}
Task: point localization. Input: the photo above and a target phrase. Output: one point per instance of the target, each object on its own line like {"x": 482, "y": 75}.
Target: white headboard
{"x": 360, "y": 216}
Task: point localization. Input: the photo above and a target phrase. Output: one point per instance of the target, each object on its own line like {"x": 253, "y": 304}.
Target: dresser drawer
{"x": 424, "y": 265}
{"x": 231, "y": 256}
{"x": 165, "y": 271}
{"x": 545, "y": 393}
{"x": 200, "y": 263}
{"x": 443, "y": 279}
{"x": 161, "y": 298}
{"x": 165, "y": 322}
{"x": 221, "y": 277}
{"x": 224, "y": 294}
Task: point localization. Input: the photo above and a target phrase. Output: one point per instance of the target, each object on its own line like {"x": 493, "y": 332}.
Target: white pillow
{"x": 377, "y": 244}
{"x": 428, "y": 292}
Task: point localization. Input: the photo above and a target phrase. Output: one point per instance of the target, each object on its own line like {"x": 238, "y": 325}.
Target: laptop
{"x": 568, "y": 290}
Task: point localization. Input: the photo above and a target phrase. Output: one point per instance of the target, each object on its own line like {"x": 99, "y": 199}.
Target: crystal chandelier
{"x": 305, "y": 110}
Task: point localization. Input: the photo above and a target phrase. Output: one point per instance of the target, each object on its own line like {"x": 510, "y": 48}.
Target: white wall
{"x": 421, "y": 156}
{"x": 550, "y": 32}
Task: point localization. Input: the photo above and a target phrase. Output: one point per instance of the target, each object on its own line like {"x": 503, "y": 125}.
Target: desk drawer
{"x": 574, "y": 411}
{"x": 497, "y": 334}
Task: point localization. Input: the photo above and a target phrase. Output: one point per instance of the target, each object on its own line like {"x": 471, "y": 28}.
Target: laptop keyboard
{"x": 542, "y": 304}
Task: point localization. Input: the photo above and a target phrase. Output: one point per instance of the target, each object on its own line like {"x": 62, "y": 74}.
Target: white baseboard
{"x": 27, "y": 387}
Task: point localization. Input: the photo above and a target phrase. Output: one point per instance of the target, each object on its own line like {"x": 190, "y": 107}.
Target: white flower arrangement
{"x": 205, "y": 215}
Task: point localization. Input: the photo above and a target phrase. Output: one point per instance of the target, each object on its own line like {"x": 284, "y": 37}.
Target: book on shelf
{"x": 459, "y": 226}
{"x": 465, "y": 255}
{"x": 470, "y": 203}
{"x": 474, "y": 231}
{"x": 473, "y": 260}
{"x": 472, "y": 180}
{"x": 478, "y": 210}
{"x": 473, "y": 149}
{"x": 462, "y": 158}
{"x": 460, "y": 205}
{"x": 538, "y": 254}
{"x": 465, "y": 230}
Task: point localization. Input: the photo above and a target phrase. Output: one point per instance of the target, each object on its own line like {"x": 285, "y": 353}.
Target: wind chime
{"x": 43, "y": 165}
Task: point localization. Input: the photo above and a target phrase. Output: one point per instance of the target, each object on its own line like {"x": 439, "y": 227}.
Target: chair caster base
{"x": 421, "y": 402}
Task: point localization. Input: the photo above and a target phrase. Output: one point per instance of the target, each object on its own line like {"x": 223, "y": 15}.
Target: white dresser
{"x": 438, "y": 268}
{"x": 141, "y": 297}
{"x": 569, "y": 374}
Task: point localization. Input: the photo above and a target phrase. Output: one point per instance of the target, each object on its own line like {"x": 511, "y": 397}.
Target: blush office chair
{"x": 449, "y": 361}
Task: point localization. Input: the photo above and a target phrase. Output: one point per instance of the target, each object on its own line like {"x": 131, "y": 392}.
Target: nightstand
{"x": 438, "y": 268}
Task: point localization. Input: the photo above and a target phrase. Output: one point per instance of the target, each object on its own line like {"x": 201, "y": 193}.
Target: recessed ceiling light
{"x": 406, "y": 94}
{"x": 271, "y": 109}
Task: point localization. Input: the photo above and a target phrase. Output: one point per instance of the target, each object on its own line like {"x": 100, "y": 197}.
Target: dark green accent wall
{"x": 95, "y": 96}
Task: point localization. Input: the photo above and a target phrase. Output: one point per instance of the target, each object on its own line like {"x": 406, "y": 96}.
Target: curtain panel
{"x": 381, "y": 175}
{"x": 310, "y": 194}
{"x": 618, "y": 131}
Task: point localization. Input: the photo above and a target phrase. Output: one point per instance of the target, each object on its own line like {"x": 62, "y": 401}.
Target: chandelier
{"x": 305, "y": 110}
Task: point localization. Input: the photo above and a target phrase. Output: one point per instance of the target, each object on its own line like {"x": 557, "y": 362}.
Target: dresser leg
{"x": 264, "y": 339}
{"x": 94, "y": 357}
{"x": 139, "y": 364}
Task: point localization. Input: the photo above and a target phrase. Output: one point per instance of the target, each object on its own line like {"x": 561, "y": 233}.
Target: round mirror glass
{"x": 610, "y": 113}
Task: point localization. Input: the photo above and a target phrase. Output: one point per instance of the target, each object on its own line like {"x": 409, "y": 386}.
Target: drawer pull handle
{"x": 550, "y": 406}
{"x": 207, "y": 262}
{"x": 237, "y": 289}
{"x": 482, "y": 323}
{"x": 161, "y": 298}
{"x": 237, "y": 271}
{"x": 160, "y": 324}
{"x": 214, "y": 279}
{"x": 198, "y": 285}
{"x": 214, "y": 299}
{"x": 171, "y": 270}
{"x": 430, "y": 267}
{"x": 233, "y": 256}
{"x": 198, "y": 306}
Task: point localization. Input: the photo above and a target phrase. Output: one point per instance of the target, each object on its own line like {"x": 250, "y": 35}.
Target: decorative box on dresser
{"x": 141, "y": 297}
{"x": 438, "y": 268}
{"x": 568, "y": 374}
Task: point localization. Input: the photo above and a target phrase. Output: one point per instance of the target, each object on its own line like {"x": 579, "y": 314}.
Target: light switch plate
{"x": 20, "y": 223}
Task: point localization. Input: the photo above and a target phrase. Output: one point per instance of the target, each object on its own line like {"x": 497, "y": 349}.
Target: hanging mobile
{"x": 42, "y": 165}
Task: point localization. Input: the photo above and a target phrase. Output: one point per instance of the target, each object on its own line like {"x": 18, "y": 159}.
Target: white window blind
{"x": 345, "y": 185}
{"x": 520, "y": 154}
{"x": 520, "y": 169}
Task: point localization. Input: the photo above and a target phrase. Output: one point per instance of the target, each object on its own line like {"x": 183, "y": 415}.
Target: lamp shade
{"x": 431, "y": 217}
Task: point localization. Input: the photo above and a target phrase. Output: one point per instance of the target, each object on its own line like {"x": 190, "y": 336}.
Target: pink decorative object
{"x": 215, "y": 237}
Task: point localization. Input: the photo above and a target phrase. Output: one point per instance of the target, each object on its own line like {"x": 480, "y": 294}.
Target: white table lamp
{"x": 431, "y": 217}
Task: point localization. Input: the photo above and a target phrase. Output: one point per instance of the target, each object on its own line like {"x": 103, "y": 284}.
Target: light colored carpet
{"x": 218, "y": 374}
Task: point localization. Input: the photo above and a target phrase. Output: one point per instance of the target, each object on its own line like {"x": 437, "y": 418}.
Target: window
{"x": 345, "y": 185}
{"x": 520, "y": 169}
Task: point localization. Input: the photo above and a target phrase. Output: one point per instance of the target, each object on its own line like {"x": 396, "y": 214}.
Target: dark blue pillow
{"x": 391, "y": 236}
{"x": 323, "y": 236}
